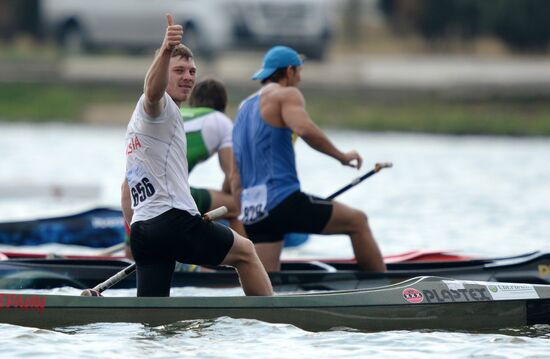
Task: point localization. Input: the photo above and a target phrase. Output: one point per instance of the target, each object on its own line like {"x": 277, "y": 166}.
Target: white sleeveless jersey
{"x": 156, "y": 163}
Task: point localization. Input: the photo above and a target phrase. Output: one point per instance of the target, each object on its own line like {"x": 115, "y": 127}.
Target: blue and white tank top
{"x": 266, "y": 160}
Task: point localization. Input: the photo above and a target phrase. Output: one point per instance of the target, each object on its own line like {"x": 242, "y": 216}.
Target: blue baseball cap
{"x": 277, "y": 57}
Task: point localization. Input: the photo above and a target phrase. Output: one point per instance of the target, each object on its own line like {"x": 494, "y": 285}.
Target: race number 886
{"x": 141, "y": 191}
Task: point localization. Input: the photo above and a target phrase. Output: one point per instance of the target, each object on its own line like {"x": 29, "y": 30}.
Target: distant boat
{"x": 95, "y": 228}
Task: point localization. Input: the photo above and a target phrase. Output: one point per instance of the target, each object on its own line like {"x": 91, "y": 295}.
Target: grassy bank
{"x": 517, "y": 118}
{"x": 42, "y": 103}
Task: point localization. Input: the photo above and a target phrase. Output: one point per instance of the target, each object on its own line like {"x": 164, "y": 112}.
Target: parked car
{"x": 211, "y": 26}
{"x": 302, "y": 24}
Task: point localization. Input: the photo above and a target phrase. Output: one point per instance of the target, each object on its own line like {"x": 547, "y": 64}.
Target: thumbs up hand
{"x": 174, "y": 33}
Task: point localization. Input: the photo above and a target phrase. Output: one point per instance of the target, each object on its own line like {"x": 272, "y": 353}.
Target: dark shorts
{"x": 202, "y": 198}
{"x": 299, "y": 212}
{"x": 173, "y": 236}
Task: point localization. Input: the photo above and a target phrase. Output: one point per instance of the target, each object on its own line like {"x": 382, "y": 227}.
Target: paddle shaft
{"x": 112, "y": 250}
{"x": 358, "y": 180}
{"x": 101, "y": 287}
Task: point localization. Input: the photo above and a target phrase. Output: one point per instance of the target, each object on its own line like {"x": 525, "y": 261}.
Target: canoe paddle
{"x": 109, "y": 251}
{"x": 103, "y": 286}
{"x": 377, "y": 168}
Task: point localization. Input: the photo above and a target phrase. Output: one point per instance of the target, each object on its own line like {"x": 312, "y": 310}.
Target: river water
{"x": 475, "y": 195}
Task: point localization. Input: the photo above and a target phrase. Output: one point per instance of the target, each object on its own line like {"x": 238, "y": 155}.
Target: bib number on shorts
{"x": 253, "y": 204}
{"x": 141, "y": 187}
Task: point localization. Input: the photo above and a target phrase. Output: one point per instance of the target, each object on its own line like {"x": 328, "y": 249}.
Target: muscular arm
{"x": 156, "y": 79}
{"x": 156, "y": 82}
{"x": 225, "y": 157}
{"x": 295, "y": 116}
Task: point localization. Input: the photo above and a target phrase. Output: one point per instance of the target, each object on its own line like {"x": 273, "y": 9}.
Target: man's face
{"x": 294, "y": 76}
{"x": 181, "y": 78}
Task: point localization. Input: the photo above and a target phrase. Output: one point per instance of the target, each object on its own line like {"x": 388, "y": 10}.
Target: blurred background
{"x": 447, "y": 66}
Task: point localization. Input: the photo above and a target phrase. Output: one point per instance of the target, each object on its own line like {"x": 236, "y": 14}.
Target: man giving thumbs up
{"x": 165, "y": 224}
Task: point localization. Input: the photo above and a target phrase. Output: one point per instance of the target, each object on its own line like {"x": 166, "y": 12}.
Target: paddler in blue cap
{"x": 265, "y": 181}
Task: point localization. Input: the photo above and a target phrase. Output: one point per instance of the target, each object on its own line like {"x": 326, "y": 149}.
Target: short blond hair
{"x": 181, "y": 51}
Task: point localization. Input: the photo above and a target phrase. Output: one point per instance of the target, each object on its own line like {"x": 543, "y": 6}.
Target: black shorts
{"x": 178, "y": 235}
{"x": 299, "y": 212}
{"x": 173, "y": 236}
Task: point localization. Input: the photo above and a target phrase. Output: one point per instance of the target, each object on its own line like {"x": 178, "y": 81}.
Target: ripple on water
{"x": 237, "y": 338}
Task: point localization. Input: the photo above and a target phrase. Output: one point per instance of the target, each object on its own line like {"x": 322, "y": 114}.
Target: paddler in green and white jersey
{"x": 209, "y": 131}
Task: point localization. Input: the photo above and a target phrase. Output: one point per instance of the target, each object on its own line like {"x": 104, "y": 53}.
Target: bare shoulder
{"x": 290, "y": 91}
{"x": 289, "y": 94}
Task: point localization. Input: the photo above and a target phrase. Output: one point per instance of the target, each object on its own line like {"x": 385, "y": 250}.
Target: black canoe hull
{"x": 533, "y": 268}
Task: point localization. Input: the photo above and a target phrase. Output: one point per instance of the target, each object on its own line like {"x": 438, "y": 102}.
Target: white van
{"x": 211, "y": 26}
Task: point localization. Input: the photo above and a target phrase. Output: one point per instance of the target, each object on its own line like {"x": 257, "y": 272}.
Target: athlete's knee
{"x": 243, "y": 251}
{"x": 359, "y": 219}
{"x": 247, "y": 247}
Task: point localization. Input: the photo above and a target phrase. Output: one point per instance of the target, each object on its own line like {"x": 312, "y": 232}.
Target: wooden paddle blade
{"x": 380, "y": 165}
